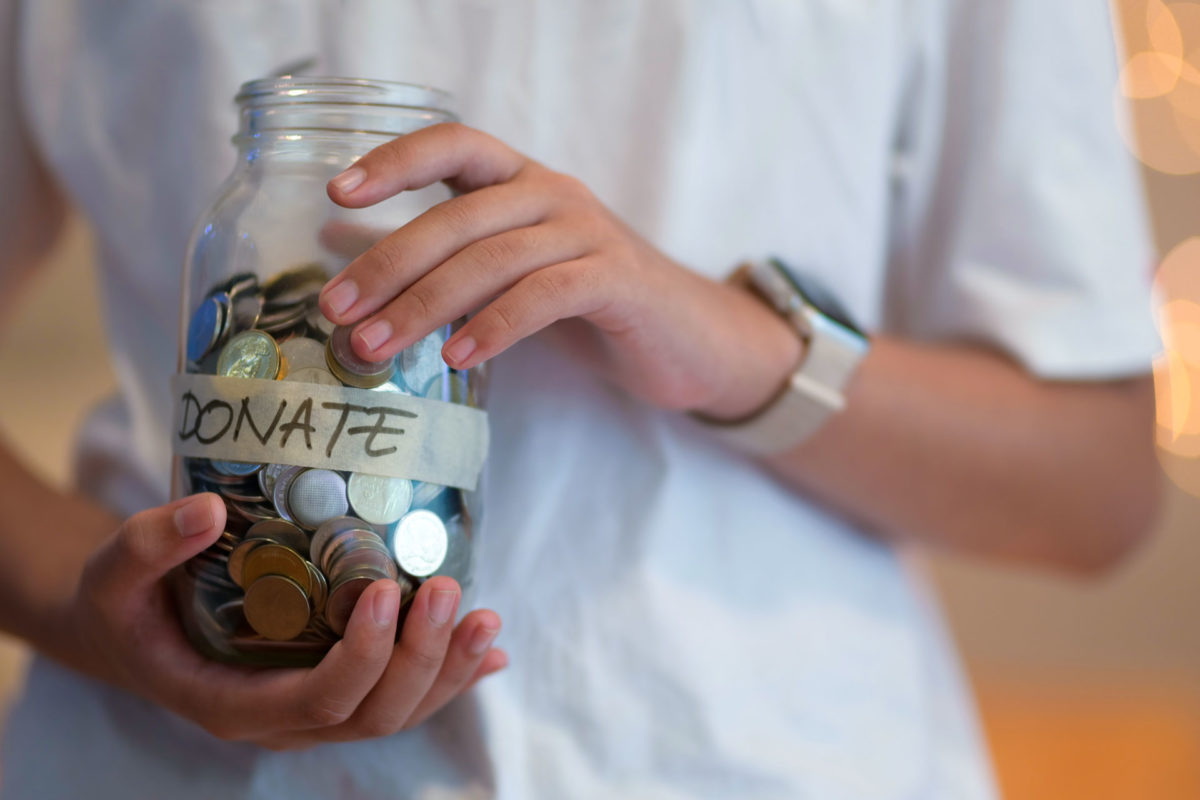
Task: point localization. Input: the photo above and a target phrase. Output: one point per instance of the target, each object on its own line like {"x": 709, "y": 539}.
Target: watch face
{"x": 820, "y": 298}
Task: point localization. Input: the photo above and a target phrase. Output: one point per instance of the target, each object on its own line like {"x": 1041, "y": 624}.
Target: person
{"x": 683, "y": 618}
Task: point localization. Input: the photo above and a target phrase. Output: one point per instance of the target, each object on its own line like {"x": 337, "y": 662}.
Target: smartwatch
{"x": 833, "y": 347}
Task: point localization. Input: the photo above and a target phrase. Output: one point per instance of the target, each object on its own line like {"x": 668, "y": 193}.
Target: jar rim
{"x": 291, "y": 89}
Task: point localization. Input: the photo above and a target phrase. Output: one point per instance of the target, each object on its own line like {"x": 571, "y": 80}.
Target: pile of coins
{"x": 302, "y": 544}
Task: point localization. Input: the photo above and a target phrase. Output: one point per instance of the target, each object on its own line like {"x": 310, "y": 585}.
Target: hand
{"x": 122, "y": 627}
{"x": 526, "y": 247}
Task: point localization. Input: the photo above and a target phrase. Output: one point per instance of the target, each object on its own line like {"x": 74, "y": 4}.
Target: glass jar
{"x": 334, "y": 471}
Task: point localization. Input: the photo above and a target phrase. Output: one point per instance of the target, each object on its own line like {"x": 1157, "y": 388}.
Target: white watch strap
{"x": 813, "y": 393}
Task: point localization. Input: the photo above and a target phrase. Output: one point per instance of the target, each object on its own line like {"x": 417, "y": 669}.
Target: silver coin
{"x": 267, "y": 477}
{"x": 379, "y": 499}
{"x": 317, "y": 495}
{"x": 319, "y": 323}
{"x": 419, "y": 543}
{"x": 303, "y": 353}
{"x": 425, "y": 493}
{"x": 279, "y": 494}
{"x": 313, "y": 375}
{"x": 247, "y": 308}
{"x": 421, "y": 361}
{"x": 235, "y": 468}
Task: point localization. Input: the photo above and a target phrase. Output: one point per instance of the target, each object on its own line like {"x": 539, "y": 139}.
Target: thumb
{"x": 152, "y": 542}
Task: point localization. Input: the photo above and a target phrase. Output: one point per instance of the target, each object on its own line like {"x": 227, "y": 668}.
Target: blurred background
{"x": 1087, "y": 689}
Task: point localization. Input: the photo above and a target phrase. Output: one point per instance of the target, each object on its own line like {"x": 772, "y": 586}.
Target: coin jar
{"x": 335, "y": 471}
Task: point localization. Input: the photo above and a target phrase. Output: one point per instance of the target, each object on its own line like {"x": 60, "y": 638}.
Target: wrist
{"x": 761, "y": 352}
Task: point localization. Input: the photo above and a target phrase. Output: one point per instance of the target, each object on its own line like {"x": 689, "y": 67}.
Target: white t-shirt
{"x": 679, "y": 624}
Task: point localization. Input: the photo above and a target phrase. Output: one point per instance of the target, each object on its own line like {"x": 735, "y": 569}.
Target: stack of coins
{"x": 301, "y": 544}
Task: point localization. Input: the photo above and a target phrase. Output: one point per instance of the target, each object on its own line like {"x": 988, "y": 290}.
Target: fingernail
{"x": 375, "y": 334}
{"x": 386, "y": 606}
{"x": 481, "y": 640}
{"x": 460, "y": 349}
{"x": 441, "y": 606}
{"x": 194, "y": 517}
{"x": 349, "y": 180}
{"x": 341, "y": 296}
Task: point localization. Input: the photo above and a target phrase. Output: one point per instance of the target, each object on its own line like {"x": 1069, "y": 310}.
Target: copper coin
{"x": 275, "y": 559}
{"x": 277, "y": 607}
{"x": 342, "y": 599}
{"x": 282, "y": 532}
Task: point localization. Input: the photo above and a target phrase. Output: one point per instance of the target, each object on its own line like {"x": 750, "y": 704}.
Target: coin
{"x": 303, "y": 353}
{"x": 204, "y": 329}
{"x": 342, "y": 598}
{"x": 378, "y": 498}
{"x": 237, "y": 559}
{"x": 277, "y": 607}
{"x": 320, "y": 588}
{"x": 250, "y": 354}
{"x": 342, "y": 541}
{"x": 267, "y": 477}
{"x": 419, "y": 543}
{"x": 279, "y": 494}
{"x": 329, "y": 529}
{"x": 317, "y": 495}
{"x": 282, "y": 532}
{"x": 319, "y": 324}
{"x": 275, "y": 559}
{"x": 235, "y": 468}
{"x": 363, "y": 556}
{"x": 295, "y": 285}
{"x": 313, "y": 375}
{"x": 421, "y": 361}
{"x": 348, "y": 367}
{"x": 247, "y": 308}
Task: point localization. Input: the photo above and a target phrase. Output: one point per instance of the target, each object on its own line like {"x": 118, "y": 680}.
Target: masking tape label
{"x": 331, "y": 427}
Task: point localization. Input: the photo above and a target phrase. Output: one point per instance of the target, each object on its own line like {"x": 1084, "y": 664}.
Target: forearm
{"x": 961, "y": 449}
{"x": 45, "y": 538}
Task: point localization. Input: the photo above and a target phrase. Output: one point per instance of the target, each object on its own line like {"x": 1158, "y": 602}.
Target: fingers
{"x": 151, "y": 543}
{"x": 416, "y": 661}
{"x": 405, "y": 696}
{"x": 464, "y": 664}
{"x": 571, "y": 289}
{"x": 291, "y": 700}
{"x": 462, "y": 284}
{"x": 410, "y": 252}
{"x": 463, "y": 157}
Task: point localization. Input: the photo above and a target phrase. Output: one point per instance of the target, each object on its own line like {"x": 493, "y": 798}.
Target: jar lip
{"x": 291, "y": 89}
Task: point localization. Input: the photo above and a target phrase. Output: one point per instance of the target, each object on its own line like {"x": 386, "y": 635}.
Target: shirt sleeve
{"x": 1019, "y": 220}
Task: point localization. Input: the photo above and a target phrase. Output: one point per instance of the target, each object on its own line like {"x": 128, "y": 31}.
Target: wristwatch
{"x": 833, "y": 347}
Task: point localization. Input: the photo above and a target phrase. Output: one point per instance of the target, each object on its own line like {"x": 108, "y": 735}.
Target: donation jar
{"x": 335, "y": 472}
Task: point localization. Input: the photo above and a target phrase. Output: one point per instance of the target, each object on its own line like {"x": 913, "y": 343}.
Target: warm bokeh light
{"x": 1158, "y": 92}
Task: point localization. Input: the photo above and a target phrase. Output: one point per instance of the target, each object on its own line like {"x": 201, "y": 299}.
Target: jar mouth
{"x": 293, "y": 104}
{"x": 292, "y": 89}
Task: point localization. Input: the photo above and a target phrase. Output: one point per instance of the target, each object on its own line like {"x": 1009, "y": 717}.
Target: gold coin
{"x": 281, "y": 532}
{"x": 237, "y": 558}
{"x": 277, "y": 608}
{"x": 250, "y": 354}
{"x": 275, "y": 559}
